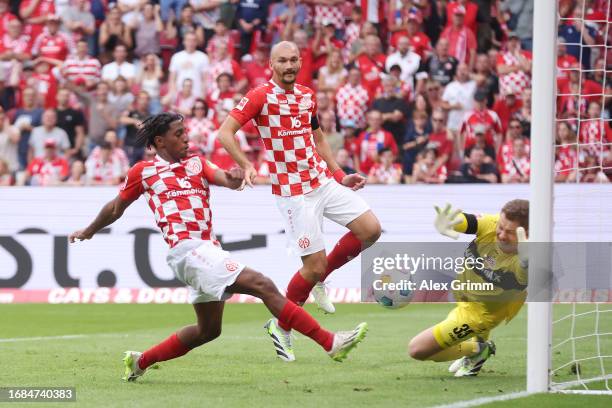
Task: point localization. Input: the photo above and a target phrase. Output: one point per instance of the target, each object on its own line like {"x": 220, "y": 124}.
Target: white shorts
{"x": 205, "y": 268}
{"x": 304, "y": 214}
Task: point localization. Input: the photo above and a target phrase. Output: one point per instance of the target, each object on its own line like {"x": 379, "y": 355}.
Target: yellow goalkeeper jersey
{"x": 501, "y": 269}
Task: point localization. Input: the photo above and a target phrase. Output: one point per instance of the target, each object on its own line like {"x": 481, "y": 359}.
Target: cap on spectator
{"x": 54, "y": 17}
{"x": 415, "y": 15}
{"x": 480, "y": 96}
{"x": 50, "y": 142}
{"x": 326, "y": 22}
{"x": 480, "y": 129}
{"x": 395, "y": 67}
{"x": 348, "y": 123}
{"x": 459, "y": 10}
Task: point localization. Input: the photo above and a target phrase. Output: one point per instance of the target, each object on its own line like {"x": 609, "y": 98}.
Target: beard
{"x": 286, "y": 81}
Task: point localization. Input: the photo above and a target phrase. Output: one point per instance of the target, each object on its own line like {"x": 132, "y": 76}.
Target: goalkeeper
{"x": 501, "y": 241}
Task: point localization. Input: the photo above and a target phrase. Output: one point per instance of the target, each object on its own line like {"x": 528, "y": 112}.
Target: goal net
{"x": 581, "y": 341}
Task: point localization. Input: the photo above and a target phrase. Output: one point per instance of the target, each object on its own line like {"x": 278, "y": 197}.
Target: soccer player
{"x": 176, "y": 187}
{"x": 306, "y": 181}
{"x": 501, "y": 242}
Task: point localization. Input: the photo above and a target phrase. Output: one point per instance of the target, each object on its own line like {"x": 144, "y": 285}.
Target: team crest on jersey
{"x": 242, "y": 103}
{"x": 304, "y": 242}
{"x": 194, "y": 167}
{"x": 231, "y": 266}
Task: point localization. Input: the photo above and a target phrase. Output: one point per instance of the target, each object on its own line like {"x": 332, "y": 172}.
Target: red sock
{"x": 299, "y": 319}
{"x": 297, "y": 292}
{"x": 346, "y": 249}
{"x": 166, "y": 350}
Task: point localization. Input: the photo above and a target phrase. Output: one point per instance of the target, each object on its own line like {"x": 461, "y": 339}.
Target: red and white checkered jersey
{"x": 88, "y": 68}
{"x": 329, "y": 14}
{"x": 514, "y": 166}
{"x": 352, "y": 104}
{"x": 283, "y": 119}
{"x": 514, "y": 82}
{"x": 57, "y": 46}
{"x": 177, "y": 193}
{"x": 566, "y": 158}
{"x": 475, "y": 118}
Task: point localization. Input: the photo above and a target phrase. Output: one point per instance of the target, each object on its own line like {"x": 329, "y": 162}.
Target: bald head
{"x": 284, "y": 48}
{"x": 285, "y": 62}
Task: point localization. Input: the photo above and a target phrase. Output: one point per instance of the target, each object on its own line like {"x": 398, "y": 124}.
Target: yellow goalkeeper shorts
{"x": 466, "y": 320}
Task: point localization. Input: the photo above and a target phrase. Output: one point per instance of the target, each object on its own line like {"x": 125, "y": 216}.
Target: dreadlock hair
{"x": 155, "y": 125}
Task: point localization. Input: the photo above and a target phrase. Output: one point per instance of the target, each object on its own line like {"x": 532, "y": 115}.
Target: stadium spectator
{"x": 103, "y": 168}
{"x": 14, "y": 48}
{"x": 5, "y": 16}
{"x": 440, "y": 66}
{"x": 117, "y": 152}
{"x": 80, "y": 68}
{"x": 516, "y": 168}
{"x": 189, "y": 64}
{"x": 48, "y": 131}
{"x": 470, "y": 11}
{"x": 147, "y": 31}
{"x": 149, "y": 80}
{"x": 352, "y": 33}
{"x": 27, "y": 118}
{"x": 515, "y": 131}
{"x": 184, "y": 24}
{"x": 345, "y": 162}
{"x": 9, "y": 140}
{"x": 519, "y": 18}
{"x": 52, "y": 45}
{"x": 579, "y": 37}
{"x": 199, "y": 126}
{"x": 171, "y": 8}
{"x": 49, "y": 169}
{"x": 409, "y": 25}
{"x": 77, "y": 175}
{"x": 461, "y": 40}
{"x": 514, "y": 67}
{"x": 371, "y": 141}
{"x": 480, "y": 115}
{"x": 524, "y": 113}
{"x": 431, "y": 99}
{"x": 258, "y": 71}
{"x": 132, "y": 120}
{"x": 79, "y": 22}
{"x": 251, "y": 18}
{"x": 224, "y": 97}
{"x": 486, "y": 79}
{"x": 72, "y": 122}
{"x": 131, "y": 11}
{"x": 575, "y": 92}
{"x": 113, "y": 32}
{"x": 565, "y": 61}
{"x": 304, "y": 76}
{"x": 480, "y": 140}
{"x": 101, "y": 114}
{"x": 458, "y": 98}
{"x": 283, "y": 13}
{"x": 371, "y": 64}
{"x": 594, "y": 134}
{"x": 120, "y": 96}
{"x": 324, "y": 43}
{"x": 332, "y": 75}
{"x": 207, "y": 13}
{"x": 222, "y": 63}
{"x": 426, "y": 169}
{"x": 566, "y": 153}
{"x": 221, "y": 34}
{"x": 334, "y": 138}
{"x": 507, "y": 106}
{"x": 34, "y": 14}
{"x": 402, "y": 89}
{"x": 440, "y": 139}
{"x": 394, "y": 109}
{"x": 181, "y": 101}
{"x": 119, "y": 67}
{"x": 385, "y": 171}
{"x": 476, "y": 170}
{"x": 414, "y": 141}
{"x": 408, "y": 61}
{"x": 325, "y": 103}
{"x": 352, "y": 100}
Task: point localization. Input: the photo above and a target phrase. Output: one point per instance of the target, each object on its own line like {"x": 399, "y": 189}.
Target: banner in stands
{"x": 125, "y": 263}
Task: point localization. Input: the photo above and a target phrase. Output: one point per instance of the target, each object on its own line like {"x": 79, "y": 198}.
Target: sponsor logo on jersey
{"x": 242, "y": 103}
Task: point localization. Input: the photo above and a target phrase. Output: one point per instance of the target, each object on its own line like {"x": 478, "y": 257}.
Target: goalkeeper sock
{"x": 297, "y": 318}
{"x": 347, "y": 248}
{"x": 466, "y": 349}
{"x": 168, "y": 349}
{"x": 297, "y": 292}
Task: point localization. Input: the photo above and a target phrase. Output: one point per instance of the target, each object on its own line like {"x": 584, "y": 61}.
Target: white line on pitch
{"x": 94, "y": 335}
{"x": 485, "y": 400}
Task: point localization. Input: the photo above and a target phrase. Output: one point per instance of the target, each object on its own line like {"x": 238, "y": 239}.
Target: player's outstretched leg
{"x": 337, "y": 345}
{"x": 209, "y": 316}
{"x": 363, "y": 232}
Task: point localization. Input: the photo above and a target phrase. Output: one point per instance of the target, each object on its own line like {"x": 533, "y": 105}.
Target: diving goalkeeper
{"x": 501, "y": 241}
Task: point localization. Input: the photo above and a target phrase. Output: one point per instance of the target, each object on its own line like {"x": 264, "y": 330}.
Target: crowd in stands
{"x": 408, "y": 91}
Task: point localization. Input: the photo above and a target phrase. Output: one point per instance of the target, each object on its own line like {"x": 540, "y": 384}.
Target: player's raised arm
{"x": 354, "y": 181}
{"x": 111, "y": 212}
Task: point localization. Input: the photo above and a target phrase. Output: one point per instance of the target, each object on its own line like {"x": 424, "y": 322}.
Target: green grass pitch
{"x": 240, "y": 368}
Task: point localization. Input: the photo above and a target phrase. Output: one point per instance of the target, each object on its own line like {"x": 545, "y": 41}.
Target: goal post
{"x": 539, "y": 312}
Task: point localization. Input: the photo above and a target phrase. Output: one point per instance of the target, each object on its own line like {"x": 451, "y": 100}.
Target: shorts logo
{"x": 231, "y": 266}
{"x": 303, "y": 242}
{"x": 242, "y": 103}
{"x": 194, "y": 167}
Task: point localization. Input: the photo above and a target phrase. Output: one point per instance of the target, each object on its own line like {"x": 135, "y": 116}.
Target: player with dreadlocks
{"x": 176, "y": 187}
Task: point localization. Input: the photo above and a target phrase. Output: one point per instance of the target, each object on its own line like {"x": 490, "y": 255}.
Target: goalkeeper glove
{"x": 446, "y": 220}
{"x": 522, "y": 247}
